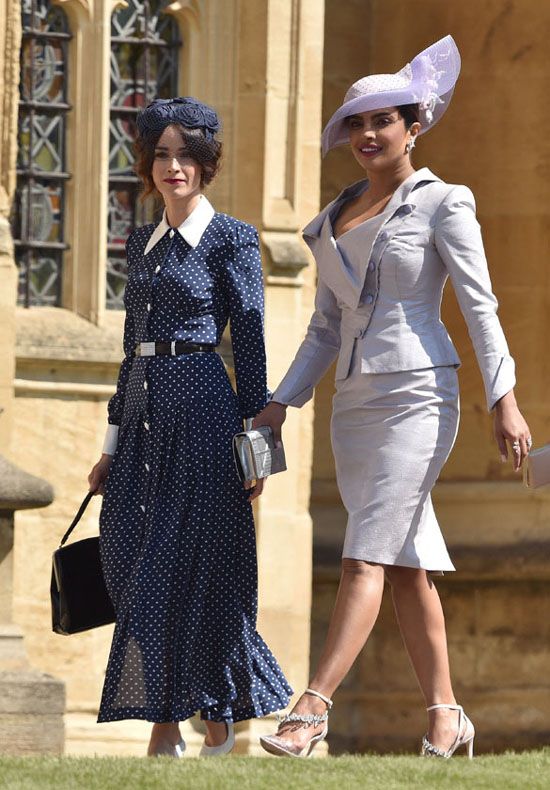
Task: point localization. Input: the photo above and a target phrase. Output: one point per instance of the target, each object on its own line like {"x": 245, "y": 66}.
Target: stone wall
{"x": 498, "y": 602}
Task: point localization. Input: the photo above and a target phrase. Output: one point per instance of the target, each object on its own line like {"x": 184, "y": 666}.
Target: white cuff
{"x": 111, "y": 440}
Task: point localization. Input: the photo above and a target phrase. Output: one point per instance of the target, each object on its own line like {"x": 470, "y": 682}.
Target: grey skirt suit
{"x": 377, "y": 311}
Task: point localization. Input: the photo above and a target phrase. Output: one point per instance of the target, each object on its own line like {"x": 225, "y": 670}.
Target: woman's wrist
{"x": 507, "y": 401}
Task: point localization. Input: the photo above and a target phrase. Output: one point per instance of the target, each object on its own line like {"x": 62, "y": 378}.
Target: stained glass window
{"x": 41, "y": 175}
{"x": 144, "y": 66}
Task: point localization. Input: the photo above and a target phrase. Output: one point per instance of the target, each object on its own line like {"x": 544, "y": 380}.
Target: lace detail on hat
{"x": 378, "y": 83}
{"x": 431, "y": 69}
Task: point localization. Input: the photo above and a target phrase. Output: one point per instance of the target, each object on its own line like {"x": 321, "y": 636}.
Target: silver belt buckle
{"x": 147, "y": 349}
{"x": 173, "y": 348}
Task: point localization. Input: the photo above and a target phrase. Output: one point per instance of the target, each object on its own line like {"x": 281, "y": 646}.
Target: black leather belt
{"x": 174, "y": 348}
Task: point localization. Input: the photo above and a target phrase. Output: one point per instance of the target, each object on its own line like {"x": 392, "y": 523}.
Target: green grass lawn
{"x": 528, "y": 770}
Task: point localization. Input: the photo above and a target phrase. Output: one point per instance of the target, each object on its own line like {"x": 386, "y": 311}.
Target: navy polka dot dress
{"x": 177, "y": 533}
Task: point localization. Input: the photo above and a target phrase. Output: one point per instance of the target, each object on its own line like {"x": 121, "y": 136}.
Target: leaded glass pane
{"x": 125, "y": 212}
{"x": 41, "y": 176}
{"x": 40, "y": 279}
{"x": 47, "y": 141}
{"x": 41, "y": 220}
{"x": 144, "y": 65}
{"x": 43, "y": 70}
{"x": 43, "y": 16}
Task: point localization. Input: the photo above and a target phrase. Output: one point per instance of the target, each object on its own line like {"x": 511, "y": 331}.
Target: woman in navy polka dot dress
{"x": 177, "y": 531}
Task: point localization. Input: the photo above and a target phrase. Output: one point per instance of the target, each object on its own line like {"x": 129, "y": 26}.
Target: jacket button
{"x": 369, "y": 299}
{"x": 372, "y": 266}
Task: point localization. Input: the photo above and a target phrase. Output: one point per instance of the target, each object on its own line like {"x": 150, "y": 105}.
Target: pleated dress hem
{"x": 159, "y": 716}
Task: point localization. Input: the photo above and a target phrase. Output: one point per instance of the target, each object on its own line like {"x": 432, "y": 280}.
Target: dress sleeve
{"x": 317, "y": 352}
{"x": 116, "y": 403}
{"x": 245, "y": 298}
{"x": 459, "y": 243}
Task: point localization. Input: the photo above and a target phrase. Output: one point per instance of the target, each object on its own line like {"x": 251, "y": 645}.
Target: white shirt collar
{"x": 191, "y": 229}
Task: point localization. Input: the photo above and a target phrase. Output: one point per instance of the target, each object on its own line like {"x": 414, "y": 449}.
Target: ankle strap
{"x": 328, "y": 702}
{"x": 443, "y": 705}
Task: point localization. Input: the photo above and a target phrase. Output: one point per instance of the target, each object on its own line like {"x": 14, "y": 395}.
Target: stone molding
{"x": 285, "y": 258}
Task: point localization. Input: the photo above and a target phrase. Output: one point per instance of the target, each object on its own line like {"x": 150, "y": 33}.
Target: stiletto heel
{"x": 464, "y": 737}
{"x": 275, "y": 744}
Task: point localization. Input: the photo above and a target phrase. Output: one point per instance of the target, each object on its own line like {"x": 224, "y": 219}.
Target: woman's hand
{"x": 509, "y": 426}
{"x": 274, "y": 415}
{"x": 99, "y": 474}
{"x": 255, "y": 488}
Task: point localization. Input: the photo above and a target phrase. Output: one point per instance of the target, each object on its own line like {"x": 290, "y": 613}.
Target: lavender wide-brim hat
{"x": 428, "y": 81}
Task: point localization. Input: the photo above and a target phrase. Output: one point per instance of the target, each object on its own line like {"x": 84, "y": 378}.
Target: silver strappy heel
{"x": 275, "y": 744}
{"x": 464, "y": 737}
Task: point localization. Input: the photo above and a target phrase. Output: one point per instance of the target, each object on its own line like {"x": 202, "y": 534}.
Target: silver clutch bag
{"x": 256, "y": 454}
{"x": 536, "y": 467}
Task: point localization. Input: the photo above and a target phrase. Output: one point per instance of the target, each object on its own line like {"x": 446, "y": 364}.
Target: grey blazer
{"x": 380, "y": 286}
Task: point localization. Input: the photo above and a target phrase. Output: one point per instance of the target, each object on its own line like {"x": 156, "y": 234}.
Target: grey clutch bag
{"x": 536, "y": 468}
{"x": 256, "y": 454}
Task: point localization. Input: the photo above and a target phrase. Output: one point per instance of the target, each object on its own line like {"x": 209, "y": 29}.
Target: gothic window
{"x": 41, "y": 175}
{"x": 144, "y": 66}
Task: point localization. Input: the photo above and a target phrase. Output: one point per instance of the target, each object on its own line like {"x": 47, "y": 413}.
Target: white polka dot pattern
{"x": 177, "y": 533}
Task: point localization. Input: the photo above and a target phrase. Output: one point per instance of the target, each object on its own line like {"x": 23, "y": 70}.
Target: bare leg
{"x": 164, "y": 737}
{"x": 355, "y": 612}
{"x": 422, "y": 625}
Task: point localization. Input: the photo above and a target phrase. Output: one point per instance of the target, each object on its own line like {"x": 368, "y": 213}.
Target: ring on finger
{"x": 529, "y": 442}
{"x": 516, "y": 447}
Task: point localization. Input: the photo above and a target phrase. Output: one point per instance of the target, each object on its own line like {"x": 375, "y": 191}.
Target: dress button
{"x": 145, "y": 385}
{"x": 143, "y": 508}
{"x": 149, "y": 308}
{"x": 372, "y": 266}
{"x": 369, "y": 299}
{"x": 171, "y": 234}
{"x": 157, "y": 270}
{"x": 147, "y": 467}
{"x": 146, "y": 426}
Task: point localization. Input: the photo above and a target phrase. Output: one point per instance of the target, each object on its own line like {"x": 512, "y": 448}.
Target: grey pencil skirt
{"x": 391, "y": 435}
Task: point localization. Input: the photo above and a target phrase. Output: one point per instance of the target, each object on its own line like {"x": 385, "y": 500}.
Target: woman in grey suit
{"x": 384, "y": 250}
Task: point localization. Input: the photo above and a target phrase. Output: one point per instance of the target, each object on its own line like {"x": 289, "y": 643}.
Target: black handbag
{"x": 79, "y": 597}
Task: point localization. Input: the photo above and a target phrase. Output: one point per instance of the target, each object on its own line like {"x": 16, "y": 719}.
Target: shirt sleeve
{"x": 245, "y": 298}
{"x": 317, "y": 352}
{"x": 459, "y": 243}
{"x": 116, "y": 403}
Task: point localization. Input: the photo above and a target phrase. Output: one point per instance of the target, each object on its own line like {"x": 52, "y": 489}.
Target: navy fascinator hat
{"x": 184, "y": 110}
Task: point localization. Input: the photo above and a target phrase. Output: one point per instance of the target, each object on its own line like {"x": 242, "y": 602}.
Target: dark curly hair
{"x": 206, "y": 153}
